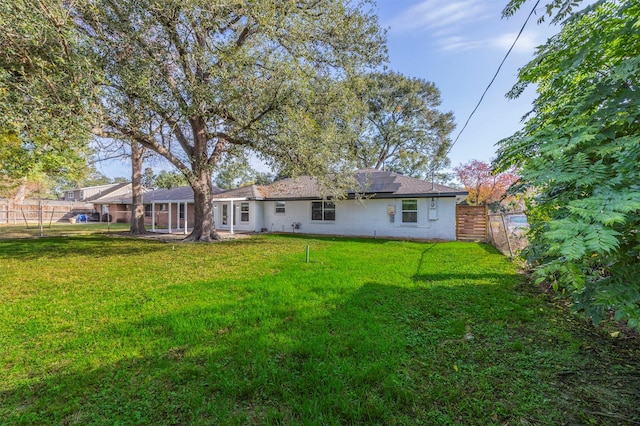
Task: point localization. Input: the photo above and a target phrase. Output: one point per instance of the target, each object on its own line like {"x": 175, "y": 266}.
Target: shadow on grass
{"x": 462, "y": 277}
{"x": 318, "y": 237}
{"x": 88, "y": 245}
{"x": 383, "y": 355}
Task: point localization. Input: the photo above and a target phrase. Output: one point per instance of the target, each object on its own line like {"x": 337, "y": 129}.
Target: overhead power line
{"x": 494, "y": 78}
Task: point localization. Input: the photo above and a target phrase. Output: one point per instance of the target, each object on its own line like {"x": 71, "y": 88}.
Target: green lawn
{"x": 97, "y": 329}
{"x": 59, "y": 229}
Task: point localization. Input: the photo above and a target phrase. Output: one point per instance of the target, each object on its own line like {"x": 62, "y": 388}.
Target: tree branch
{"x": 149, "y": 142}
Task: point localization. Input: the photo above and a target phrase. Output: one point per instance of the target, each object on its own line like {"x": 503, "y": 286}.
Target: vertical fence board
{"x": 51, "y": 210}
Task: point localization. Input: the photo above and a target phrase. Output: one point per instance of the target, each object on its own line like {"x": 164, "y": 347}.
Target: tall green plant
{"x": 580, "y": 150}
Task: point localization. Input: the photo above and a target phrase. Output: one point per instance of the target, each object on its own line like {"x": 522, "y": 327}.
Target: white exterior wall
{"x": 367, "y": 218}
{"x": 259, "y": 215}
{"x": 255, "y": 219}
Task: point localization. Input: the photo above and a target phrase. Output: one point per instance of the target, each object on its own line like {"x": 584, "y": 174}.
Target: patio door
{"x": 226, "y": 208}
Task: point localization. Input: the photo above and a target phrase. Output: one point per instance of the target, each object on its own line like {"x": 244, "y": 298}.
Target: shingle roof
{"x": 300, "y": 187}
{"x": 104, "y": 193}
{"x": 381, "y": 183}
{"x": 173, "y": 195}
{"x": 180, "y": 193}
{"x": 248, "y": 191}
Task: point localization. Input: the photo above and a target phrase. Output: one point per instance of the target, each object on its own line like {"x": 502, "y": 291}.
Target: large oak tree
{"x": 194, "y": 79}
{"x": 403, "y": 129}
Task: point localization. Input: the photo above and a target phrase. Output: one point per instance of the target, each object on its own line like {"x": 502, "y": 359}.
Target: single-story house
{"x": 165, "y": 208}
{"x": 393, "y": 206}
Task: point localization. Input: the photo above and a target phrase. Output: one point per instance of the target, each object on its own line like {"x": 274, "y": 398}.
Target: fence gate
{"x": 471, "y": 223}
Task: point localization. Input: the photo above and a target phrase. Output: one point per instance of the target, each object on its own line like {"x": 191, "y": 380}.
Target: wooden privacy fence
{"x": 471, "y": 223}
{"x": 30, "y": 211}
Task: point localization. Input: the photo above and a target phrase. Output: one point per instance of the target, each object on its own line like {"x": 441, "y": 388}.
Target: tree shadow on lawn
{"x": 90, "y": 246}
{"x": 383, "y": 355}
{"x": 336, "y": 238}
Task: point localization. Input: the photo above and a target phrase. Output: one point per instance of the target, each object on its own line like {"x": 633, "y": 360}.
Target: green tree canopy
{"x": 403, "y": 130}
{"x": 233, "y": 173}
{"x": 44, "y": 92}
{"x": 168, "y": 180}
{"x": 195, "y": 79}
{"x": 148, "y": 178}
{"x": 579, "y": 151}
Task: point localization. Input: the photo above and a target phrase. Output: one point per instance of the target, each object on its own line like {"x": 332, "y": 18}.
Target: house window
{"x": 70, "y": 195}
{"x": 181, "y": 211}
{"x": 147, "y": 210}
{"x": 244, "y": 212}
{"x": 280, "y": 207}
{"x": 323, "y": 210}
{"x": 409, "y": 211}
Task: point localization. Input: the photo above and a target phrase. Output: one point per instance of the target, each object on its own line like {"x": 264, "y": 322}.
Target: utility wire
{"x": 493, "y": 79}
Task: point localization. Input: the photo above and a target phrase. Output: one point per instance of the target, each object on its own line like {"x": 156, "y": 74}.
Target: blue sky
{"x": 458, "y": 45}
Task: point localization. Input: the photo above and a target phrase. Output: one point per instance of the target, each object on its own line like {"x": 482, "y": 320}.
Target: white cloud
{"x": 438, "y": 15}
{"x": 458, "y": 44}
{"x": 463, "y": 25}
{"x": 526, "y": 43}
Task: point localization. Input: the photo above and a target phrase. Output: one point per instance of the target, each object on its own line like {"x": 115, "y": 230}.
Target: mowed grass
{"x": 59, "y": 229}
{"x": 103, "y": 330}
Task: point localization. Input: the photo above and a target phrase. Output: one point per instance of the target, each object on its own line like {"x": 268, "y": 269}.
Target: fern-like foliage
{"x": 579, "y": 153}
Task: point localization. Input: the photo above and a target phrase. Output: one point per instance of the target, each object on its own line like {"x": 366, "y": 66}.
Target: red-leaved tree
{"x": 483, "y": 185}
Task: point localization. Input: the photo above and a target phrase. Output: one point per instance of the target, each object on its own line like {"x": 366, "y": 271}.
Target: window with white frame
{"x": 323, "y": 210}
{"x": 409, "y": 211}
{"x": 70, "y": 194}
{"x": 244, "y": 212}
{"x": 147, "y": 210}
{"x": 280, "y": 207}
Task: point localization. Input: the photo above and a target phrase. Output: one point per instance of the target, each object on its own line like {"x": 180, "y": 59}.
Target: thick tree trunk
{"x": 137, "y": 206}
{"x": 203, "y": 227}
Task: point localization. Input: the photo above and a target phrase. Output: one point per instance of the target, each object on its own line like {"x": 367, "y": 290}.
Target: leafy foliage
{"x": 580, "y": 151}
{"x": 196, "y": 80}
{"x": 168, "y": 180}
{"x": 558, "y": 10}
{"x": 484, "y": 186}
{"x": 237, "y": 172}
{"x": 44, "y": 92}
{"x": 403, "y": 130}
{"x": 148, "y": 178}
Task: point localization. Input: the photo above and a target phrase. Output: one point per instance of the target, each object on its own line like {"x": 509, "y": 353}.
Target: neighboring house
{"x": 394, "y": 206}
{"x": 166, "y": 208}
{"x": 90, "y": 193}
